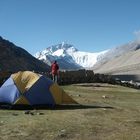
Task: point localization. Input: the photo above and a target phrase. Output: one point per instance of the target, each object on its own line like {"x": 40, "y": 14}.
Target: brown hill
{"x": 128, "y": 63}
{"x": 13, "y": 58}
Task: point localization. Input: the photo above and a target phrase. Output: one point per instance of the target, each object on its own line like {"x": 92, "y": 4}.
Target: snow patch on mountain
{"x": 85, "y": 59}
{"x": 58, "y": 53}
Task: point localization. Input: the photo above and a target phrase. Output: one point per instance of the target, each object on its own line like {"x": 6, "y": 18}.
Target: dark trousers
{"x": 55, "y": 77}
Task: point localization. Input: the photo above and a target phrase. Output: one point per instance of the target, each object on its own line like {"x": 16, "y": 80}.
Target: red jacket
{"x": 54, "y": 68}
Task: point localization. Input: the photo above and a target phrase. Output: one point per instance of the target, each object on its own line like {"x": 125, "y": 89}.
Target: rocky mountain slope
{"x": 124, "y": 59}
{"x": 13, "y": 58}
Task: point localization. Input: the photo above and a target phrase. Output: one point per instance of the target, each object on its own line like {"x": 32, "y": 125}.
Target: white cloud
{"x": 137, "y": 34}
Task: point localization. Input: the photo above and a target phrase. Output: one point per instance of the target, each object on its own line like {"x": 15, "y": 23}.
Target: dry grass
{"x": 110, "y": 112}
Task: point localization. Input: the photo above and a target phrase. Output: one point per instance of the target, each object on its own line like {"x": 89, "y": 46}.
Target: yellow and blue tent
{"x": 29, "y": 88}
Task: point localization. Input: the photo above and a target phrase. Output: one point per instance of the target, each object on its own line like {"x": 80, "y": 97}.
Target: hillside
{"x": 120, "y": 60}
{"x": 13, "y": 58}
{"x": 127, "y": 63}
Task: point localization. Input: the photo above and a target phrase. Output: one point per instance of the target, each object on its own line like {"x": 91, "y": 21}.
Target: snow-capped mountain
{"x": 68, "y": 56}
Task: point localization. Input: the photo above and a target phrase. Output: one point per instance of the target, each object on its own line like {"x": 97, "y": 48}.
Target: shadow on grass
{"x": 55, "y": 107}
{"x": 72, "y": 107}
{"x": 94, "y": 85}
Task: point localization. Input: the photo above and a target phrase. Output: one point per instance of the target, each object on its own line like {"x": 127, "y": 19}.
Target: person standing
{"x": 55, "y": 71}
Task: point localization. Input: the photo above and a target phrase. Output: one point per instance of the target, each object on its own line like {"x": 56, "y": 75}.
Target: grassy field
{"x": 109, "y": 112}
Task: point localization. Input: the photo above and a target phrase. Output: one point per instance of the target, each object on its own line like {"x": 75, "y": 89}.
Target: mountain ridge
{"x": 71, "y": 55}
{"x": 14, "y": 58}
{"x": 121, "y": 60}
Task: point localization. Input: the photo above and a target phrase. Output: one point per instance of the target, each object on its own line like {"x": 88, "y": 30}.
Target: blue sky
{"x": 90, "y": 25}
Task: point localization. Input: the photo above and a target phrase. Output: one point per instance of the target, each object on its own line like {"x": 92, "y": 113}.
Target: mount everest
{"x": 69, "y": 57}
